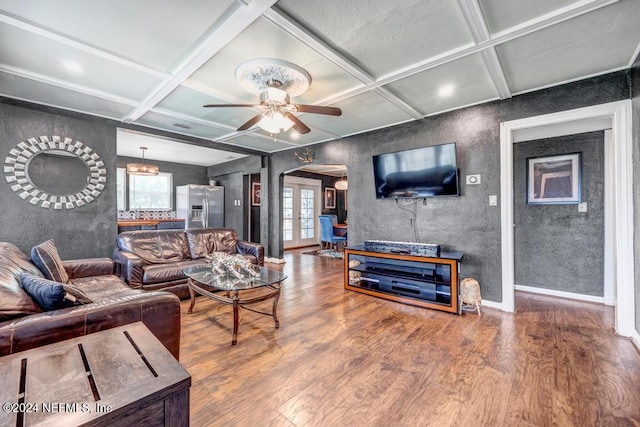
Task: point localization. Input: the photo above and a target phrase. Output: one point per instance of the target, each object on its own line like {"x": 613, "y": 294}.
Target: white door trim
{"x": 620, "y": 151}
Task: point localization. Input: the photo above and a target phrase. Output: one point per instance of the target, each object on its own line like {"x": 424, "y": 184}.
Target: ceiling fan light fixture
{"x": 275, "y": 123}
{"x": 274, "y": 95}
{"x": 142, "y": 169}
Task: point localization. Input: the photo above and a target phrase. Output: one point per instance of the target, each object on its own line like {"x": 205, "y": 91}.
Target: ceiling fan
{"x": 276, "y": 81}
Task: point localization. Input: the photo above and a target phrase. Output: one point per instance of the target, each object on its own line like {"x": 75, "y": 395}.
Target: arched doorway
{"x": 308, "y": 192}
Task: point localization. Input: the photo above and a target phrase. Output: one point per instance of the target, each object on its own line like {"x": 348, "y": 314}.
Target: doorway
{"x": 618, "y": 177}
{"x": 566, "y": 222}
{"x": 300, "y": 208}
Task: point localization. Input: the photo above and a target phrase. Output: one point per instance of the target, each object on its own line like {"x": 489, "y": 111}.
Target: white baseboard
{"x": 492, "y": 304}
{"x": 274, "y": 260}
{"x": 635, "y": 339}
{"x": 561, "y": 294}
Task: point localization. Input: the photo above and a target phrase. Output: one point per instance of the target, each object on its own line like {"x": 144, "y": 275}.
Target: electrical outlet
{"x": 473, "y": 179}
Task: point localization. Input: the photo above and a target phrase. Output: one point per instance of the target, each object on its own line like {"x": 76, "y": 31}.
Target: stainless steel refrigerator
{"x": 201, "y": 206}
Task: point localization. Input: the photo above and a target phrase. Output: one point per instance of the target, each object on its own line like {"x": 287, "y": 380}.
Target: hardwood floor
{"x": 344, "y": 358}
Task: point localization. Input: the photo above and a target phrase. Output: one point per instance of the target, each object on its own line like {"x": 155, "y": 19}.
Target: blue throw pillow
{"x": 46, "y": 257}
{"x": 47, "y": 294}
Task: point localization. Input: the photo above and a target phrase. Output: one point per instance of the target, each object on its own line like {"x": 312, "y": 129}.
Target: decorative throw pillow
{"x": 76, "y": 294}
{"x": 47, "y": 294}
{"x": 46, "y": 257}
{"x": 52, "y": 295}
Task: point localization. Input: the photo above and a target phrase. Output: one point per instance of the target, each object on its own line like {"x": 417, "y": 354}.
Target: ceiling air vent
{"x": 180, "y": 125}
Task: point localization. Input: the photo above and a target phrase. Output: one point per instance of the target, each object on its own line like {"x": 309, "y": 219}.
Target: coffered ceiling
{"x": 155, "y": 63}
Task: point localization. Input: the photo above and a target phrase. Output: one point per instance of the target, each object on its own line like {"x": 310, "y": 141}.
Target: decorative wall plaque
{"x": 16, "y": 170}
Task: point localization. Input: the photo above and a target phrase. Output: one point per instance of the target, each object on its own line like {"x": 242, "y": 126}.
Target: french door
{"x": 300, "y": 210}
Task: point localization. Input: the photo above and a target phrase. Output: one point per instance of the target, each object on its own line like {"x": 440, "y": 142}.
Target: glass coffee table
{"x": 239, "y": 290}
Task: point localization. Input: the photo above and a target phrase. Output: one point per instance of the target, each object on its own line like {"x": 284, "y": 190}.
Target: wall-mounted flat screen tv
{"x": 418, "y": 173}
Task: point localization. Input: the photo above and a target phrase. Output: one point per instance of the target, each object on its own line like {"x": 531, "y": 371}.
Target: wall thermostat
{"x": 473, "y": 179}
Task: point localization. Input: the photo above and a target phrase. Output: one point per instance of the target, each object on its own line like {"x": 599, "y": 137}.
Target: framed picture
{"x": 554, "y": 179}
{"x": 329, "y": 198}
{"x": 255, "y": 194}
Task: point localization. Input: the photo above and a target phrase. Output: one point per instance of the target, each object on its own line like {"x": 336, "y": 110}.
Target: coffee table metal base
{"x": 233, "y": 298}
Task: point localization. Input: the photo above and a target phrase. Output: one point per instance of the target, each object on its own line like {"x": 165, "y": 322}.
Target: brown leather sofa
{"x": 155, "y": 259}
{"x": 23, "y": 325}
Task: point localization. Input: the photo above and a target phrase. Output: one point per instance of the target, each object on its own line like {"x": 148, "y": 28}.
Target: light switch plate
{"x": 493, "y": 200}
{"x": 473, "y": 179}
{"x": 582, "y": 207}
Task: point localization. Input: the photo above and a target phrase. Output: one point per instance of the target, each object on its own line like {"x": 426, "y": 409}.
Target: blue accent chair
{"x": 326, "y": 233}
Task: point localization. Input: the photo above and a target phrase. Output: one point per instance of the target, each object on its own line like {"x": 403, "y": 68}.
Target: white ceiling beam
{"x": 192, "y": 119}
{"x": 496, "y": 73}
{"x": 230, "y": 25}
{"x": 477, "y": 25}
{"x": 560, "y": 15}
{"x": 552, "y": 18}
{"x": 295, "y": 30}
{"x": 634, "y": 56}
{"x": 48, "y": 34}
{"x": 213, "y": 92}
{"x": 302, "y": 34}
{"x": 20, "y": 72}
{"x": 214, "y": 125}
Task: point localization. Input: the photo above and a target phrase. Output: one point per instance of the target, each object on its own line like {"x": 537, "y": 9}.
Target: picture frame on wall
{"x": 554, "y": 179}
{"x": 329, "y": 198}
{"x": 255, "y": 194}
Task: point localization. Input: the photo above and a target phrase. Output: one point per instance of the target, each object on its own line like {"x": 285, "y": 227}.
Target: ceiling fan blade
{"x": 297, "y": 124}
{"x": 228, "y": 105}
{"x": 318, "y": 109}
{"x": 252, "y": 121}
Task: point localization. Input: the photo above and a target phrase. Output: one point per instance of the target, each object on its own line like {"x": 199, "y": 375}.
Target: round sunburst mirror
{"x": 55, "y": 172}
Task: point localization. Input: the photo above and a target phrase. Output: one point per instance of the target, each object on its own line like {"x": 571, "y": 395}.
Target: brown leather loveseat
{"x": 155, "y": 259}
{"x": 23, "y": 324}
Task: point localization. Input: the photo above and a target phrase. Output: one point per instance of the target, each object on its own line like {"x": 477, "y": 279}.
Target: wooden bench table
{"x": 121, "y": 376}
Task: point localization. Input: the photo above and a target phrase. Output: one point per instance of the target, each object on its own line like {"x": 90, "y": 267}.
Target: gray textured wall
{"x": 88, "y": 231}
{"x": 231, "y": 176}
{"x": 466, "y": 223}
{"x": 557, "y": 247}
{"x": 247, "y": 165}
{"x": 182, "y": 174}
{"x": 635, "y": 79}
{"x": 233, "y": 190}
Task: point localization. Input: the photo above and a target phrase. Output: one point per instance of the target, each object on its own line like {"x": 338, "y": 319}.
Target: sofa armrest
{"x": 129, "y": 267}
{"x": 250, "y": 248}
{"x": 159, "y": 311}
{"x": 88, "y": 267}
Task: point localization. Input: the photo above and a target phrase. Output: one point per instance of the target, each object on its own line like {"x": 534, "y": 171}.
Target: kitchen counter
{"x": 149, "y": 224}
{"x": 129, "y": 222}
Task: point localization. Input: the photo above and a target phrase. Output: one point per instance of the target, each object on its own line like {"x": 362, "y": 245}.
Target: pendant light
{"x": 142, "y": 168}
{"x": 342, "y": 184}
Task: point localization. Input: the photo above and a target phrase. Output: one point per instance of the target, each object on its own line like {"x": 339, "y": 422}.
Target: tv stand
{"x": 430, "y": 282}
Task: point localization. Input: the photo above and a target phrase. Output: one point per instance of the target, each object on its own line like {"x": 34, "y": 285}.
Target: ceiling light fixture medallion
{"x": 276, "y": 81}
{"x": 144, "y": 169}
